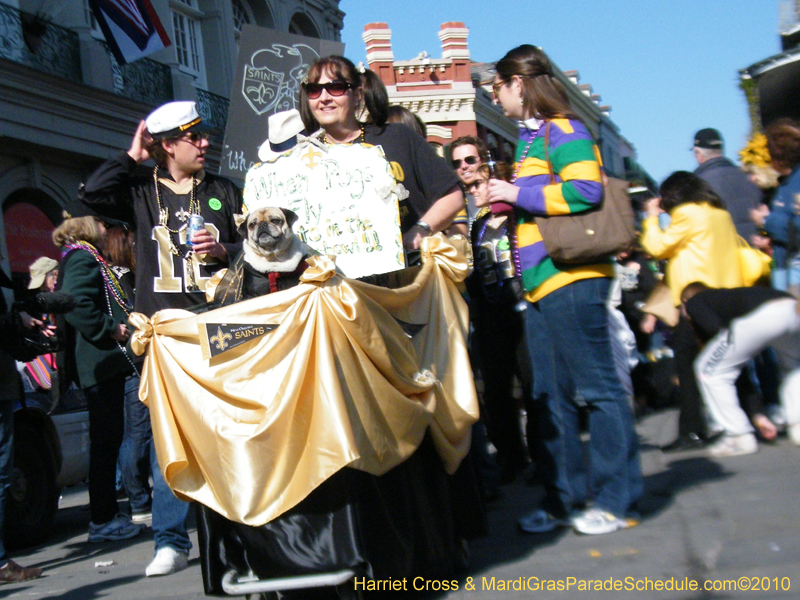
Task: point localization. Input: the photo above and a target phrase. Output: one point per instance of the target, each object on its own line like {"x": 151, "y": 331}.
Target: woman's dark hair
{"x": 400, "y": 114}
{"x": 119, "y": 246}
{"x": 683, "y": 187}
{"x": 783, "y": 142}
{"x": 338, "y": 68}
{"x": 543, "y": 95}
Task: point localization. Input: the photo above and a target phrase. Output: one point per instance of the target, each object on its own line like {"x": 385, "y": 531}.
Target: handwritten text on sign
{"x": 345, "y": 198}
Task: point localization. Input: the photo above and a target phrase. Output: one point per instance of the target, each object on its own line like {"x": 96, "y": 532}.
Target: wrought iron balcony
{"x": 40, "y": 44}
{"x": 213, "y": 109}
{"x": 143, "y": 80}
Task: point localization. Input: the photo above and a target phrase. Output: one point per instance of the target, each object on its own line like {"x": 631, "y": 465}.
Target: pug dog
{"x": 272, "y": 257}
{"x": 270, "y": 245}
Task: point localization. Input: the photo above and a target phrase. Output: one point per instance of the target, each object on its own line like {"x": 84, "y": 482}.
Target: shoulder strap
{"x": 547, "y": 153}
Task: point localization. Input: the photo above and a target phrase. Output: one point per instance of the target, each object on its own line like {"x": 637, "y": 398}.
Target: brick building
{"x": 453, "y": 97}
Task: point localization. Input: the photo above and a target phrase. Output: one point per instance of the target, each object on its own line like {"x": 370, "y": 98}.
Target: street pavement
{"x": 710, "y": 521}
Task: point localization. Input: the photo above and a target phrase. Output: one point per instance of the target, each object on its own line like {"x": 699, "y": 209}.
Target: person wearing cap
{"x": 170, "y": 273}
{"x": 284, "y": 127}
{"x": 44, "y": 274}
{"x": 738, "y": 193}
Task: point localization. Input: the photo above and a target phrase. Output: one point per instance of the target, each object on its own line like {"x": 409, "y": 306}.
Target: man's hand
{"x": 413, "y": 237}
{"x": 29, "y": 322}
{"x": 203, "y": 242}
{"x": 141, "y": 139}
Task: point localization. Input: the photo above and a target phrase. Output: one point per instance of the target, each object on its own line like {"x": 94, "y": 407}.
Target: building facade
{"x": 66, "y": 104}
{"x": 453, "y": 97}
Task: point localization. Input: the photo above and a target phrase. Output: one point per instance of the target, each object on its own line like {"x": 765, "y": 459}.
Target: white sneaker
{"x": 596, "y": 522}
{"x": 794, "y": 433}
{"x": 167, "y": 561}
{"x": 734, "y": 445}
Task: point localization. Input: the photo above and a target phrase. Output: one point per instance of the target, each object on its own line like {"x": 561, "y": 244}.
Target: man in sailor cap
{"x": 172, "y": 266}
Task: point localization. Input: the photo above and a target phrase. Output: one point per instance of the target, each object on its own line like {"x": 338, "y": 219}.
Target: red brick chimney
{"x": 380, "y": 58}
{"x": 454, "y": 46}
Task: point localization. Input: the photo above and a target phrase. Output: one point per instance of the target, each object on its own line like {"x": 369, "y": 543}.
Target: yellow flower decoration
{"x": 755, "y": 152}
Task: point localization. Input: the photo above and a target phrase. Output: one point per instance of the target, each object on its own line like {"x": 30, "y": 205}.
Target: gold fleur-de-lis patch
{"x": 221, "y": 339}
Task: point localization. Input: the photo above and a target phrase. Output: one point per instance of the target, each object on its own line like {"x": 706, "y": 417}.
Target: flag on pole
{"x": 132, "y": 28}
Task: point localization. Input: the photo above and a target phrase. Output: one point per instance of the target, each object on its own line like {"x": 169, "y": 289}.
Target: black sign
{"x": 270, "y": 67}
{"x": 223, "y": 337}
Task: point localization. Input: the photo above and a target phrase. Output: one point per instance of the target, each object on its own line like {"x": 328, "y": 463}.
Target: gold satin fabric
{"x": 251, "y": 432}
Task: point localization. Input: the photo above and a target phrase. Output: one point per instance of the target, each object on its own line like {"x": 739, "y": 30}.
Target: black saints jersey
{"x": 165, "y": 276}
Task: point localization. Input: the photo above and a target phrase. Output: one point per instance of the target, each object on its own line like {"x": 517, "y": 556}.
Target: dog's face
{"x": 268, "y": 231}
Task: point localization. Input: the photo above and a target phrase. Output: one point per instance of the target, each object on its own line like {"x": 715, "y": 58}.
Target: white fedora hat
{"x": 283, "y": 129}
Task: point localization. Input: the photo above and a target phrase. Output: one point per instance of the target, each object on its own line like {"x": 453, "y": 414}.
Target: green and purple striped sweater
{"x": 576, "y": 164}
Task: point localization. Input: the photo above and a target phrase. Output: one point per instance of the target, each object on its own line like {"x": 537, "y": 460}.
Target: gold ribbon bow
{"x": 320, "y": 269}
{"x": 440, "y": 249}
{"x": 144, "y": 332}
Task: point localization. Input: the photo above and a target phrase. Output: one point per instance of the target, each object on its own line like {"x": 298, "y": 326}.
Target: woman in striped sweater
{"x": 567, "y": 320}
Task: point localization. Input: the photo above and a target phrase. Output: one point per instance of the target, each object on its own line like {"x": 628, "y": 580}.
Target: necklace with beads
{"x": 163, "y": 213}
{"x": 112, "y": 284}
{"x": 359, "y": 140}
{"x": 512, "y": 225}
{"x": 163, "y": 219}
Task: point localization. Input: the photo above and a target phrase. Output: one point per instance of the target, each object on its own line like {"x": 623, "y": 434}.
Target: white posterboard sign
{"x": 345, "y": 198}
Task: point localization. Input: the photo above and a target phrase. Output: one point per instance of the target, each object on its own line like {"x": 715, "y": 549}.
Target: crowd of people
{"x": 546, "y": 335}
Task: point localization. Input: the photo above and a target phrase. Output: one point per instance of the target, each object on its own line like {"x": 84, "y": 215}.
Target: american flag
{"x": 131, "y": 27}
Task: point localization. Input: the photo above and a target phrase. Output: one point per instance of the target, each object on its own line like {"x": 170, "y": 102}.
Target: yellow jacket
{"x": 701, "y": 244}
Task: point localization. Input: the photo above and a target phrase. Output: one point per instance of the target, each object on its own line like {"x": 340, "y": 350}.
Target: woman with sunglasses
{"x": 335, "y": 97}
{"x": 567, "y": 320}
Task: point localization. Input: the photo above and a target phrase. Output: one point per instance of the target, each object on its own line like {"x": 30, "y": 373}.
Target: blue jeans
{"x": 134, "y": 454}
{"x": 169, "y": 513}
{"x": 6, "y": 463}
{"x": 573, "y": 367}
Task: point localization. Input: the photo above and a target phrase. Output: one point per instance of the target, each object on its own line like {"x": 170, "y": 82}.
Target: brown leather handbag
{"x": 592, "y": 235}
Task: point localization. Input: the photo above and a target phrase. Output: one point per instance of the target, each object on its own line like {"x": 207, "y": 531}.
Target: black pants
{"x": 686, "y": 348}
{"x": 500, "y": 347}
{"x": 106, "y": 426}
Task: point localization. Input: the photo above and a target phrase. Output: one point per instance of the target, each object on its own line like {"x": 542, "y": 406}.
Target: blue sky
{"x": 666, "y": 68}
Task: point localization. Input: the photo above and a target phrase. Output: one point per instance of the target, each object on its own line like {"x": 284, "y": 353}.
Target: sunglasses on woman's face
{"x": 334, "y": 88}
{"x": 470, "y": 160}
{"x": 496, "y": 88}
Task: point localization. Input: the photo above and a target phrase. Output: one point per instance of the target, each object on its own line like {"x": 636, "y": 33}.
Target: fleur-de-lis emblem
{"x": 221, "y": 339}
{"x": 182, "y": 215}
{"x": 312, "y": 156}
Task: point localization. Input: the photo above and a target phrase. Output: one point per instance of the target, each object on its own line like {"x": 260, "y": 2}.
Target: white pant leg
{"x": 723, "y": 358}
{"x": 717, "y": 367}
{"x": 787, "y": 347}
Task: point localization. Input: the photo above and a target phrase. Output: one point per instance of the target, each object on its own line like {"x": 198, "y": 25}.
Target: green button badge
{"x": 214, "y": 204}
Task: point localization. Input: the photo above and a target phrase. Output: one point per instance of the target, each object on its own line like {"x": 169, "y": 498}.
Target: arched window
{"x": 242, "y": 15}
{"x": 301, "y": 24}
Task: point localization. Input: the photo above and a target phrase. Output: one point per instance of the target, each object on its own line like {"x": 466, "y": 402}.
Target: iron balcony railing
{"x": 143, "y": 80}
{"x": 35, "y": 42}
{"x": 213, "y": 109}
